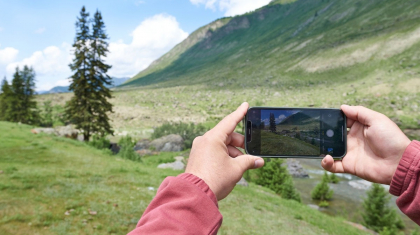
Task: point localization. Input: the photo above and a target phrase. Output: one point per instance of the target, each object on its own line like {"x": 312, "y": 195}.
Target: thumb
{"x": 247, "y": 162}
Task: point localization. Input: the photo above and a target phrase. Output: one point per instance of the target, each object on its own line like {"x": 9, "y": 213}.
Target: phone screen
{"x": 295, "y": 132}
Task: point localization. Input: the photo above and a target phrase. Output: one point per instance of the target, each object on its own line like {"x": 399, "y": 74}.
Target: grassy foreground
{"x": 44, "y": 178}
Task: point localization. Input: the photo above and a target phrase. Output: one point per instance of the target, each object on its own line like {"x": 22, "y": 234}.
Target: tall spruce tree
{"x": 28, "y": 102}
{"x": 5, "y": 95}
{"x": 89, "y": 106}
{"x": 272, "y": 123}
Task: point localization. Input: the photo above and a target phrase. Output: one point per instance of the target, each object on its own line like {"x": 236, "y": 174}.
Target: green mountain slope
{"x": 308, "y": 40}
{"x": 51, "y": 185}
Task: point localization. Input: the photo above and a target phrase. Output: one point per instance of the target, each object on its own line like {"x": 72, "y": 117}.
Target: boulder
{"x": 142, "y": 144}
{"x": 242, "y": 182}
{"x": 295, "y": 169}
{"x": 67, "y": 131}
{"x": 177, "y": 165}
{"x": 169, "y": 143}
{"x": 49, "y": 131}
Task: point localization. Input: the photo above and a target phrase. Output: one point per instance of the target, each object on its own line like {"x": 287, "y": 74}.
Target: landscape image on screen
{"x": 290, "y": 132}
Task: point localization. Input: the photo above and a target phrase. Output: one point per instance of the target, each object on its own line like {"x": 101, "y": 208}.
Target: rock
{"x": 142, "y": 144}
{"x": 1, "y": 172}
{"x": 67, "y": 131}
{"x": 114, "y": 148}
{"x": 169, "y": 143}
{"x": 177, "y": 165}
{"x": 242, "y": 182}
{"x": 49, "y": 131}
{"x": 67, "y": 213}
{"x": 314, "y": 206}
{"x": 295, "y": 169}
{"x": 80, "y": 137}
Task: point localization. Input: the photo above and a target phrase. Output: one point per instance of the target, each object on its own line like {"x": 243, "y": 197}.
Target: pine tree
{"x": 16, "y": 110}
{"x": 322, "y": 191}
{"x": 276, "y": 177}
{"x": 377, "y": 213}
{"x": 89, "y": 106}
{"x": 272, "y": 123}
{"x": 5, "y": 96}
{"x": 28, "y": 103}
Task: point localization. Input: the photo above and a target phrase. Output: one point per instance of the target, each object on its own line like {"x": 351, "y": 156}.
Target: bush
{"x": 322, "y": 190}
{"x": 276, "y": 177}
{"x": 324, "y": 204}
{"x": 333, "y": 179}
{"x": 127, "y": 149}
{"x": 188, "y": 131}
{"x": 99, "y": 142}
{"x": 378, "y": 215}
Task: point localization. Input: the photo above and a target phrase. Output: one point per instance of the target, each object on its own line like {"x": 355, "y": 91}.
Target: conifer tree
{"x": 16, "y": 110}
{"x": 377, "y": 213}
{"x": 322, "y": 191}
{"x": 272, "y": 123}
{"x": 28, "y": 103}
{"x": 5, "y": 95}
{"x": 89, "y": 106}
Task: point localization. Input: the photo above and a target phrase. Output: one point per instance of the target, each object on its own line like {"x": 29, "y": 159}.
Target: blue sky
{"x": 40, "y": 33}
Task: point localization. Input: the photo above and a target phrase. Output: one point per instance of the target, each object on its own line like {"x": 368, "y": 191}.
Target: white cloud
{"x": 151, "y": 39}
{"x": 232, "y": 7}
{"x": 50, "y": 65}
{"x": 137, "y": 3}
{"x": 40, "y": 30}
{"x": 8, "y": 55}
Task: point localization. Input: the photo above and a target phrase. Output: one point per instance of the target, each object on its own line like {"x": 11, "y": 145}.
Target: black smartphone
{"x": 295, "y": 132}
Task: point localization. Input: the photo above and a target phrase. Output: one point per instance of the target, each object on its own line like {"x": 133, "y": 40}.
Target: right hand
{"x": 375, "y": 145}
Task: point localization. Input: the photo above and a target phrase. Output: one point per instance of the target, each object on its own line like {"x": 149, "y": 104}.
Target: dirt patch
{"x": 411, "y": 86}
{"x": 381, "y": 89}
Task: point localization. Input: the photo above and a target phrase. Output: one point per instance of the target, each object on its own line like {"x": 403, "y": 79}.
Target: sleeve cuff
{"x": 200, "y": 184}
{"x": 404, "y": 173}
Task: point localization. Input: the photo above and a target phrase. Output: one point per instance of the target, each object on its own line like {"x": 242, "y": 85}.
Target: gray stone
{"x": 49, "y": 131}
{"x": 242, "y": 182}
{"x": 177, "y": 165}
{"x": 169, "y": 143}
{"x": 314, "y": 206}
{"x": 142, "y": 144}
{"x": 67, "y": 131}
{"x": 295, "y": 169}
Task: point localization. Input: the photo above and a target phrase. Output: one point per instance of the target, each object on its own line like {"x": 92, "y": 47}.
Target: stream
{"x": 348, "y": 196}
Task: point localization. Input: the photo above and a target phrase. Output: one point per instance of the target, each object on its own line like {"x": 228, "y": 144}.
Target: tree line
{"x": 89, "y": 107}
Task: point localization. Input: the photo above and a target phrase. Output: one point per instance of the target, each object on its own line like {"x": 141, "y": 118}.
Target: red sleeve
{"x": 405, "y": 182}
{"x": 183, "y": 205}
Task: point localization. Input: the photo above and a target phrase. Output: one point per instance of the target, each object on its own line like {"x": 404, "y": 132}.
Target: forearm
{"x": 183, "y": 205}
{"x": 406, "y": 182}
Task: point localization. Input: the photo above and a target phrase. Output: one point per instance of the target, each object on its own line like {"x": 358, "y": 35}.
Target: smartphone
{"x": 295, "y": 132}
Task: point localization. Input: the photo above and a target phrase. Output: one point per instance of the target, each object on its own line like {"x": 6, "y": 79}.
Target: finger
{"x": 228, "y": 124}
{"x": 330, "y": 165}
{"x": 350, "y": 122}
{"x": 247, "y": 162}
{"x": 234, "y": 152}
{"x": 359, "y": 113}
{"x": 236, "y": 139}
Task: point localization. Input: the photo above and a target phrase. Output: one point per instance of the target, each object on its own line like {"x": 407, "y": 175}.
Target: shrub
{"x": 99, "y": 142}
{"x": 333, "y": 179}
{"x": 127, "y": 149}
{"x": 188, "y": 131}
{"x": 322, "y": 190}
{"x": 324, "y": 204}
{"x": 378, "y": 215}
{"x": 276, "y": 177}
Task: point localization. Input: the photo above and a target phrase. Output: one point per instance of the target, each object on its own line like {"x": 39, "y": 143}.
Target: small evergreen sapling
{"x": 322, "y": 191}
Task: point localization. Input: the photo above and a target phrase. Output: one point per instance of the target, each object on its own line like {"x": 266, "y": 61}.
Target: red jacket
{"x": 186, "y": 205}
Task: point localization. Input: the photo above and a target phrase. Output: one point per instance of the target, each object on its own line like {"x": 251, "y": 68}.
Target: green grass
{"x": 44, "y": 176}
{"x": 275, "y": 143}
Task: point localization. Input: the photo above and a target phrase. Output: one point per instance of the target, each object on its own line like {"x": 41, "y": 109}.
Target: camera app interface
{"x": 293, "y": 132}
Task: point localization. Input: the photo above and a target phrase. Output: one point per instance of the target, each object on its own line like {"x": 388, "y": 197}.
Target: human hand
{"x": 215, "y": 159}
{"x": 375, "y": 145}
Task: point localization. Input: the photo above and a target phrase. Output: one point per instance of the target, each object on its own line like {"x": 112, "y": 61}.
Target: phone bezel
{"x": 245, "y": 119}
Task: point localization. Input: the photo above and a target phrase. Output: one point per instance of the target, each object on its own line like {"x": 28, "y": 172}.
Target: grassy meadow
{"x": 52, "y": 185}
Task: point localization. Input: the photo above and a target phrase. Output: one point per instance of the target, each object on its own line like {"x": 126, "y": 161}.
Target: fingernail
{"x": 258, "y": 163}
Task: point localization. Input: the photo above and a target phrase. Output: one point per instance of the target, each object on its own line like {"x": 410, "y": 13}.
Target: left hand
{"x": 215, "y": 158}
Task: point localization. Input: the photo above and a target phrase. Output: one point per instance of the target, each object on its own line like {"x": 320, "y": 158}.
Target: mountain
{"x": 64, "y": 89}
{"x": 305, "y": 42}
